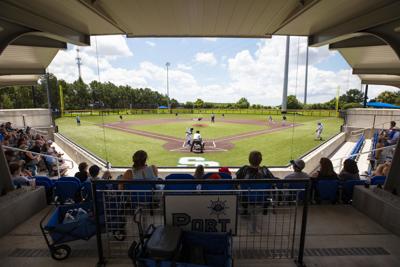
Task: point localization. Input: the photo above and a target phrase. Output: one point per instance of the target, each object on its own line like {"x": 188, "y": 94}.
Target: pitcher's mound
{"x": 200, "y": 125}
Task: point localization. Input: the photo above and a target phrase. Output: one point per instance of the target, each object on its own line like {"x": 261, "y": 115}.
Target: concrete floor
{"x": 336, "y": 226}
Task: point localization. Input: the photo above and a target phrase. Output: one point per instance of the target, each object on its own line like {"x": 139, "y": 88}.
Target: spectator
{"x": 199, "y": 172}
{"x": 326, "y": 171}
{"x": 31, "y": 160}
{"x": 214, "y": 176}
{"x": 254, "y": 171}
{"x": 94, "y": 171}
{"x": 349, "y": 171}
{"x": 382, "y": 169}
{"x": 140, "y": 170}
{"x": 393, "y": 137}
{"x": 225, "y": 170}
{"x": 106, "y": 175}
{"x": 16, "y": 177}
{"x": 298, "y": 166}
{"x": 82, "y": 175}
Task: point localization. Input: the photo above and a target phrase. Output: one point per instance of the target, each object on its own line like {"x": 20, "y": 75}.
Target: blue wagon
{"x": 57, "y": 232}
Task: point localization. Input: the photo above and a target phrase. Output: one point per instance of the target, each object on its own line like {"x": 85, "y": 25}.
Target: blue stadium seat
{"x": 179, "y": 176}
{"x": 140, "y": 197}
{"x": 256, "y": 196}
{"x": 298, "y": 186}
{"x": 222, "y": 174}
{"x": 348, "y": 188}
{"x": 327, "y": 190}
{"x": 70, "y": 179}
{"x": 66, "y": 190}
{"x": 86, "y": 191}
{"x": 378, "y": 180}
{"x": 44, "y": 178}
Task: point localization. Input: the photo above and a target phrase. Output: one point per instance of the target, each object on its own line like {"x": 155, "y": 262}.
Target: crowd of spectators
{"x": 28, "y": 163}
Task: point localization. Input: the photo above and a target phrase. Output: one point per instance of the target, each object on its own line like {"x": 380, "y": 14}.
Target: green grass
{"x": 276, "y": 147}
{"x": 209, "y": 131}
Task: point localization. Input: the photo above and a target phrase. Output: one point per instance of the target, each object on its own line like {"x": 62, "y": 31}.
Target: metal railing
{"x": 267, "y": 216}
{"x": 43, "y": 155}
{"x": 342, "y": 159}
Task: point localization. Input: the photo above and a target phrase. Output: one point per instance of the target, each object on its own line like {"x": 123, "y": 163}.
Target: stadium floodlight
{"x": 168, "y": 103}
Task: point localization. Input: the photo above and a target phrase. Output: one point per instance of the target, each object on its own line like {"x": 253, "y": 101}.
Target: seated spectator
{"x": 225, "y": 170}
{"x": 349, "y": 171}
{"x": 82, "y": 175}
{"x": 393, "y": 137}
{"x": 94, "y": 171}
{"x": 199, "y": 172}
{"x": 298, "y": 166}
{"x": 214, "y": 176}
{"x": 31, "y": 160}
{"x": 254, "y": 170}
{"x": 16, "y": 176}
{"x": 106, "y": 175}
{"x": 382, "y": 169}
{"x": 326, "y": 171}
{"x": 140, "y": 170}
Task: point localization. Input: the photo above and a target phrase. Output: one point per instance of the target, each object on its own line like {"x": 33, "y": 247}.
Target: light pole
{"x": 168, "y": 104}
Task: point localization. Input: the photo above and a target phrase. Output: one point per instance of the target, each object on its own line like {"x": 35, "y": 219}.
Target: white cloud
{"x": 206, "y": 57}
{"x": 256, "y": 75}
{"x": 210, "y": 39}
{"x": 183, "y": 67}
{"x": 152, "y": 44}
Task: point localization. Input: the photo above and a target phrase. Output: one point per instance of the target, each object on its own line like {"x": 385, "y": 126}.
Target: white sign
{"x": 202, "y": 213}
{"x": 195, "y": 161}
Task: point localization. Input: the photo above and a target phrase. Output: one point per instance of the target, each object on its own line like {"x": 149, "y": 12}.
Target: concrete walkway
{"x": 330, "y": 229}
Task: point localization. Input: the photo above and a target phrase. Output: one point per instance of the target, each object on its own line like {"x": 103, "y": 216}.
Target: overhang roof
{"x": 324, "y": 21}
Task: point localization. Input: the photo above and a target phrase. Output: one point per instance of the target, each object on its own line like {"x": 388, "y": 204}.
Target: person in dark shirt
{"x": 82, "y": 175}
{"x": 350, "y": 171}
{"x": 326, "y": 171}
{"x": 254, "y": 170}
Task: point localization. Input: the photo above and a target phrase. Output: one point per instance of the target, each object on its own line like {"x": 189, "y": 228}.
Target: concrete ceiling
{"x": 36, "y": 29}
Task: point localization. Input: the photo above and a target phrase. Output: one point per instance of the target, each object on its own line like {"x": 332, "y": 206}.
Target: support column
{"x": 49, "y": 98}
{"x": 285, "y": 79}
{"x": 392, "y": 183}
{"x": 306, "y": 78}
{"x": 365, "y": 96}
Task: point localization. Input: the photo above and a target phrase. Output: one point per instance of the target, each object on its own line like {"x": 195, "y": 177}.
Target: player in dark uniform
{"x": 212, "y": 118}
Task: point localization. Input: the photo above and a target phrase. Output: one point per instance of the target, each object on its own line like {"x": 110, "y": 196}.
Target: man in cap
{"x": 298, "y": 166}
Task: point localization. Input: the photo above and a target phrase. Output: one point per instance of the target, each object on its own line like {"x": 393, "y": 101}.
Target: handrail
{"x": 44, "y": 155}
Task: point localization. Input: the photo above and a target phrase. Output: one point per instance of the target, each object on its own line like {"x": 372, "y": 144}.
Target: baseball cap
{"x": 298, "y": 163}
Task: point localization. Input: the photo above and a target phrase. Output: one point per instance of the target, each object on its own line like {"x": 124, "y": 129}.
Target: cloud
{"x": 210, "y": 39}
{"x": 183, "y": 67}
{"x": 206, "y": 57}
{"x": 254, "y": 74}
{"x": 152, "y": 44}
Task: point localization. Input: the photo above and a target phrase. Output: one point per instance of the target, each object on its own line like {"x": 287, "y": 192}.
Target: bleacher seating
{"x": 221, "y": 174}
{"x": 65, "y": 191}
{"x": 348, "y": 188}
{"x": 357, "y": 147}
{"x": 378, "y": 180}
{"x": 177, "y": 176}
{"x": 327, "y": 190}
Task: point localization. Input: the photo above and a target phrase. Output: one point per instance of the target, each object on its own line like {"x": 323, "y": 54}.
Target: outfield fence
{"x": 99, "y": 112}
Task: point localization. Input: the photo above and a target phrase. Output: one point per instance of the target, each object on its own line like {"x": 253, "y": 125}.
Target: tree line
{"x": 79, "y": 95}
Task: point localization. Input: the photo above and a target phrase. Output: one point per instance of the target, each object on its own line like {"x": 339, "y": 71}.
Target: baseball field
{"x": 228, "y": 140}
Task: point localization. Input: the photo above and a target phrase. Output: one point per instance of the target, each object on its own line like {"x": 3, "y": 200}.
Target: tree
{"x": 293, "y": 102}
{"x": 388, "y": 97}
{"x": 243, "y": 103}
{"x": 199, "y": 103}
{"x": 353, "y": 96}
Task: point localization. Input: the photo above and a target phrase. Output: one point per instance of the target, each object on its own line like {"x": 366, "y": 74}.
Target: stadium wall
{"x": 34, "y": 117}
{"x": 369, "y": 118}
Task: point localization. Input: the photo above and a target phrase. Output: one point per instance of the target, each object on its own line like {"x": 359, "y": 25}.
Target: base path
{"x": 178, "y": 144}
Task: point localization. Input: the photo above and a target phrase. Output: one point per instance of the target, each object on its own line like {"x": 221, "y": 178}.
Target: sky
{"x": 213, "y": 69}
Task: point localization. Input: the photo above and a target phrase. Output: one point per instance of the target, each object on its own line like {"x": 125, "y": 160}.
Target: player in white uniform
{"x": 188, "y": 139}
{"x": 318, "y": 131}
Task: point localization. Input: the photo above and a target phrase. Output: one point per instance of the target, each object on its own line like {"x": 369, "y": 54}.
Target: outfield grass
{"x": 276, "y": 147}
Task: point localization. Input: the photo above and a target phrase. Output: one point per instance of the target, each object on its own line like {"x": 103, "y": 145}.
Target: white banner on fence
{"x": 203, "y": 213}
